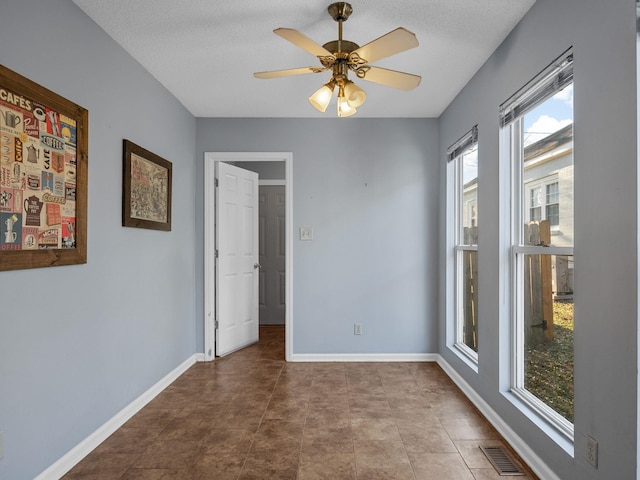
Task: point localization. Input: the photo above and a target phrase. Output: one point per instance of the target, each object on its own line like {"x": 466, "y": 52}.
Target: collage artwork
{"x": 38, "y": 175}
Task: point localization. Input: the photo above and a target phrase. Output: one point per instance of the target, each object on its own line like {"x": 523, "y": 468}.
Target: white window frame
{"x": 556, "y": 77}
{"x": 455, "y": 155}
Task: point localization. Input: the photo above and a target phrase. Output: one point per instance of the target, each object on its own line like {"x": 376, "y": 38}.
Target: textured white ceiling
{"x": 205, "y": 51}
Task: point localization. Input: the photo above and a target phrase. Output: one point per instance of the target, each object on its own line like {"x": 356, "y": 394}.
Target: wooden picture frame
{"x": 146, "y": 189}
{"x": 43, "y": 176}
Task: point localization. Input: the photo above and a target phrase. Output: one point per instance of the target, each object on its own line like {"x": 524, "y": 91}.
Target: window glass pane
{"x": 553, "y": 215}
{"x": 543, "y": 202}
{"x": 470, "y": 299}
{"x": 536, "y": 197}
{"x": 547, "y": 166}
{"x": 547, "y": 306}
{"x": 469, "y": 164}
{"x": 535, "y": 214}
{"x": 552, "y": 193}
{"x": 464, "y": 167}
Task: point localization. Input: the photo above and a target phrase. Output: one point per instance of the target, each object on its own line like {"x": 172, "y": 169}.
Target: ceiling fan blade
{"x": 395, "y": 41}
{"x": 288, "y": 72}
{"x": 390, "y": 78}
{"x": 302, "y": 41}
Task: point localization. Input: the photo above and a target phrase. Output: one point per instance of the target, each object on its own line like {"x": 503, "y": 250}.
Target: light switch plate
{"x": 306, "y": 233}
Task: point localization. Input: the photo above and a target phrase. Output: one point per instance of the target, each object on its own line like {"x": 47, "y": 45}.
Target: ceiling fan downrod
{"x": 340, "y": 12}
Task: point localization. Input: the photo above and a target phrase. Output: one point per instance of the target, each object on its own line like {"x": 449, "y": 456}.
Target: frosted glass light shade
{"x": 344, "y": 109}
{"x": 321, "y": 98}
{"x": 355, "y": 95}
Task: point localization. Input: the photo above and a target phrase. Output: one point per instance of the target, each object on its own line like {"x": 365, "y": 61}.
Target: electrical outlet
{"x": 592, "y": 451}
{"x": 357, "y": 329}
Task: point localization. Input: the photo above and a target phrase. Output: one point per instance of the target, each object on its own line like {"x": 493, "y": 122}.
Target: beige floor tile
{"x": 443, "y": 466}
{"x": 379, "y": 454}
{"x": 270, "y": 465}
{"x": 157, "y": 474}
{"x": 327, "y": 466}
{"x": 375, "y": 429}
{"x": 176, "y": 454}
{"x": 228, "y": 441}
{"x": 218, "y": 466}
{"x": 397, "y": 472}
{"x": 102, "y": 466}
{"x": 471, "y": 428}
{"x": 129, "y": 440}
{"x": 427, "y": 440}
{"x": 251, "y": 415}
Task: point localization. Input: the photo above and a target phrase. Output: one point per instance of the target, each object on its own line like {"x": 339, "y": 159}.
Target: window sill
{"x": 559, "y": 430}
{"x": 468, "y": 356}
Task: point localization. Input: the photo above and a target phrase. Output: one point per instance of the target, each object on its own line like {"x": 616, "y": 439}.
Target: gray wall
{"x": 79, "y": 343}
{"x": 367, "y": 189}
{"x": 603, "y": 37}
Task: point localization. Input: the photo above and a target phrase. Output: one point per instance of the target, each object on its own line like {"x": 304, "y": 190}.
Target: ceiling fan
{"x": 340, "y": 56}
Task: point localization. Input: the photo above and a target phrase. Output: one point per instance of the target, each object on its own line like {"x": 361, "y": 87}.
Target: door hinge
{"x": 217, "y": 253}
{"x": 215, "y": 324}
{"x": 215, "y": 182}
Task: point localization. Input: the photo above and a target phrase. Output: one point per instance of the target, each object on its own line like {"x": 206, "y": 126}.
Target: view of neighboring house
{"x": 548, "y": 170}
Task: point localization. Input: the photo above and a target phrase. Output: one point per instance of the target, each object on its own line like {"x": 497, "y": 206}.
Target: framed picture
{"x": 146, "y": 189}
{"x": 43, "y": 176}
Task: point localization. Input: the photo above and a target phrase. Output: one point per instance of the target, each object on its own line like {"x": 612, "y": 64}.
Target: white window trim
{"x": 455, "y": 172}
{"x": 512, "y": 151}
{"x": 518, "y": 252}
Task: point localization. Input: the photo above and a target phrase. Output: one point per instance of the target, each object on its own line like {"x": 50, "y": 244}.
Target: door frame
{"x": 210, "y": 158}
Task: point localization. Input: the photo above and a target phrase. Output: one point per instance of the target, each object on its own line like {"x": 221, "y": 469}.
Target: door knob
{"x": 257, "y": 265}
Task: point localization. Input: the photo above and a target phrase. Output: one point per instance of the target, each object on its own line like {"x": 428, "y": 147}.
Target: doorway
{"x": 272, "y": 252}
{"x": 238, "y": 158}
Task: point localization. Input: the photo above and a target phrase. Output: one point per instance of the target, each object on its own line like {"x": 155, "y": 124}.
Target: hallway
{"x": 251, "y": 415}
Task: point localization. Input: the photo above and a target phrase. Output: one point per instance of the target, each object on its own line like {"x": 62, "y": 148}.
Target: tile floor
{"x": 251, "y": 415}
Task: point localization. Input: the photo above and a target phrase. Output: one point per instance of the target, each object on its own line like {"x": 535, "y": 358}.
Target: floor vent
{"x": 502, "y": 462}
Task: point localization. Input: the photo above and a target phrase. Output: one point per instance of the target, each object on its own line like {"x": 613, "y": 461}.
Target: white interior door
{"x": 237, "y": 259}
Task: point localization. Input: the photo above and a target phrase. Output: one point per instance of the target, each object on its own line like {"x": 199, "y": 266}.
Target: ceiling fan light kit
{"x": 340, "y": 56}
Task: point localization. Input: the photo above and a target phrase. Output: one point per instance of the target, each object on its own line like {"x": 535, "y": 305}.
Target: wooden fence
{"x": 470, "y": 290}
{"x": 538, "y": 288}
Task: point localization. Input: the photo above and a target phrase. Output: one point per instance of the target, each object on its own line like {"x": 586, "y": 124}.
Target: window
{"x": 543, "y": 201}
{"x": 551, "y": 206}
{"x": 463, "y": 172}
{"x": 537, "y": 133}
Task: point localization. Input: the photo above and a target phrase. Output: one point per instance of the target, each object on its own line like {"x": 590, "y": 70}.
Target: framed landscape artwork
{"x": 43, "y": 176}
{"x": 146, "y": 189}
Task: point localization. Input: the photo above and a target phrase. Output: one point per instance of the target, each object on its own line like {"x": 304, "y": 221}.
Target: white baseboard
{"x": 526, "y": 453}
{"x": 366, "y": 357}
{"x": 73, "y": 457}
